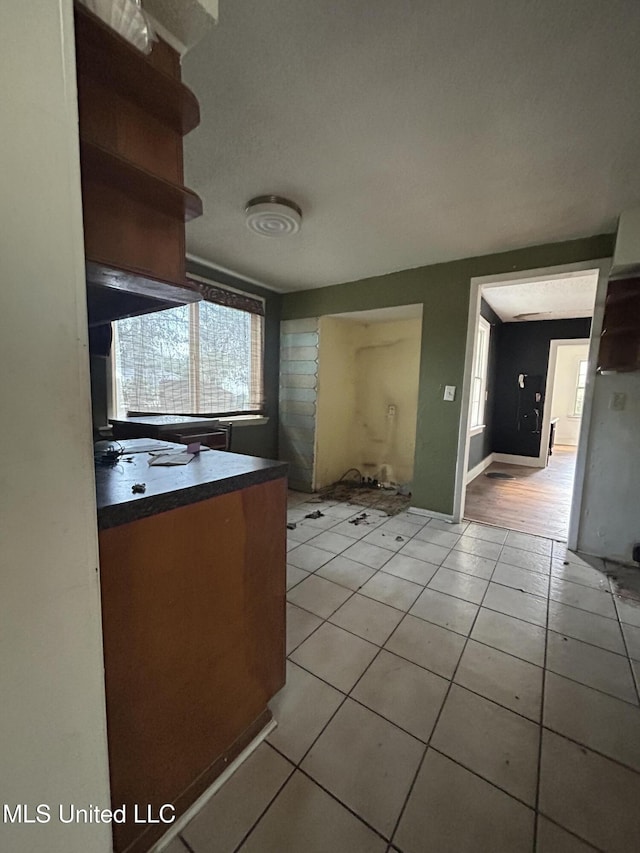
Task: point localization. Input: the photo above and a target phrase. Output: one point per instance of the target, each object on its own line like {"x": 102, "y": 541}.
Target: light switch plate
{"x": 449, "y": 393}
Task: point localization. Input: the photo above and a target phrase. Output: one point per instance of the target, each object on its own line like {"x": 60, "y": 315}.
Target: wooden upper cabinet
{"x": 153, "y": 81}
{"x": 134, "y": 111}
{"x": 620, "y": 340}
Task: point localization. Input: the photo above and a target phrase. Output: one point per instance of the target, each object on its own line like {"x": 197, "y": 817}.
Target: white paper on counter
{"x": 171, "y": 457}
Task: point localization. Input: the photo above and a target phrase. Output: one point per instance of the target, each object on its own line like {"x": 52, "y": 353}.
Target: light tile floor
{"x": 450, "y": 688}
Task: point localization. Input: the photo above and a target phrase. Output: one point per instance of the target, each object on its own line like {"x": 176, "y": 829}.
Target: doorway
{"x": 521, "y": 455}
{"x": 367, "y": 400}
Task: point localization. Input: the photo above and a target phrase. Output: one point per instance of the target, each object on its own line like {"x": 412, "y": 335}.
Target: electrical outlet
{"x": 618, "y": 401}
{"x": 449, "y": 393}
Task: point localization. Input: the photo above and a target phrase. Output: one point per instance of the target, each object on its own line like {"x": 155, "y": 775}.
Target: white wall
{"x": 610, "y": 513}
{"x": 52, "y": 716}
{"x": 626, "y": 256}
{"x": 387, "y": 369}
{"x": 363, "y": 369}
{"x": 564, "y": 392}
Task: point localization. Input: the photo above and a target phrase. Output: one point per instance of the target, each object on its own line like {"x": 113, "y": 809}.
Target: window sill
{"x": 476, "y": 430}
{"x": 245, "y": 420}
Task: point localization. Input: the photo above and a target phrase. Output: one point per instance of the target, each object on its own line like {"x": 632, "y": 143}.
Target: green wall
{"x": 443, "y": 289}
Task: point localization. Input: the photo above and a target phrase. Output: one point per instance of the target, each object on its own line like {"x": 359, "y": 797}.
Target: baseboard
{"x": 429, "y": 513}
{"x": 479, "y": 468}
{"x": 512, "y": 459}
{"x": 213, "y": 789}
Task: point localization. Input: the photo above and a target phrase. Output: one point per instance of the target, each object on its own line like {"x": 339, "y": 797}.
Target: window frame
{"x": 479, "y": 372}
{"x": 580, "y": 387}
{"x": 245, "y": 416}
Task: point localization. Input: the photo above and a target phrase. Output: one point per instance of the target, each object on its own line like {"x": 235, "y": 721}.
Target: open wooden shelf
{"x": 620, "y": 339}
{"x": 104, "y": 166}
{"x": 107, "y": 57}
{"x": 133, "y": 113}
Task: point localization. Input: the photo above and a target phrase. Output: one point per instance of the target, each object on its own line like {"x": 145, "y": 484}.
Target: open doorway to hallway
{"x": 527, "y": 394}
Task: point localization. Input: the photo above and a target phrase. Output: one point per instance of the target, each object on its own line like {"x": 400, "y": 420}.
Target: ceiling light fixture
{"x": 273, "y": 216}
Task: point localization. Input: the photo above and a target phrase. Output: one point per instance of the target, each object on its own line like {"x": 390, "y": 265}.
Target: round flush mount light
{"x": 273, "y": 216}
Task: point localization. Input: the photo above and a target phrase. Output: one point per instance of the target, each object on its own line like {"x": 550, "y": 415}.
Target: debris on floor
{"x": 315, "y": 514}
{"x": 625, "y": 580}
{"x": 139, "y": 488}
{"x": 359, "y": 519}
{"x": 580, "y": 667}
{"x": 389, "y": 502}
{"x": 291, "y": 525}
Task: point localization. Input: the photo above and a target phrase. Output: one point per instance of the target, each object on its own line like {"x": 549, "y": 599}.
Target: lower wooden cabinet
{"x": 193, "y": 607}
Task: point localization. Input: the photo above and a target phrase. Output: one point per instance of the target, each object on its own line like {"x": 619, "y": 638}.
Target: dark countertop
{"x": 167, "y": 423}
{"x": 209, "y": 474}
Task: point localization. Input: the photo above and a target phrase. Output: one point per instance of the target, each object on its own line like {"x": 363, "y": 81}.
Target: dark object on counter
{"x": 208, "y": 475}
{"x": 109, "y": 457}
{"x": 139, "y": 488}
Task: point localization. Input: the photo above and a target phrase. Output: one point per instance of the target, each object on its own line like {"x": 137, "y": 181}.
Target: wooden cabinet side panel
{"x": 123, "y": 233}
{"x": 193, "y": 621}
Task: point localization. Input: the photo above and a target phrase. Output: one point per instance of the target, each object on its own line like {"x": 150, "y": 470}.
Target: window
{"x": 580, "y": 386}
{"x": 199, "y": 359}
{"x": 479, "y": 375}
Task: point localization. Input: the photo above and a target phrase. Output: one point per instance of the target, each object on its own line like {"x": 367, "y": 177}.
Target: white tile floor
{"x": 450, "y": 688}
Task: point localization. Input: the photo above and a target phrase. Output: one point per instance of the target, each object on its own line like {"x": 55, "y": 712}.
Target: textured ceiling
{"x": 411, "y": 132}
{"x": 558, "y": 299}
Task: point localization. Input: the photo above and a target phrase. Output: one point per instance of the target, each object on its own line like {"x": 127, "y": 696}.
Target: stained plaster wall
{"x": 363, "y": 370}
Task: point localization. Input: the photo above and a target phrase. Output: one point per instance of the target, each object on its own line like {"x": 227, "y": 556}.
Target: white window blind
{"x": 204, "y": 358}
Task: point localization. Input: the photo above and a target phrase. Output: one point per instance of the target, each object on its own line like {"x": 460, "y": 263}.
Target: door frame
{"x": 602, "y": 266}
{"x": 554, "y": 346}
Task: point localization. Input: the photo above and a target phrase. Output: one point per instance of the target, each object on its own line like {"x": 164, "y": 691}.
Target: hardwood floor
{"x": 538, "y": 501}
